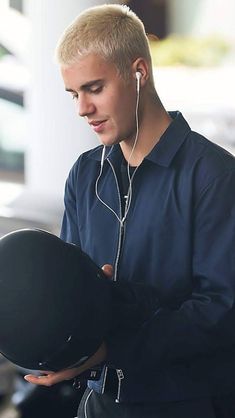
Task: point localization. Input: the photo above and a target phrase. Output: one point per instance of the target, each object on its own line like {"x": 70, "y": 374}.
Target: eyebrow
{"x": 86, "y": 85}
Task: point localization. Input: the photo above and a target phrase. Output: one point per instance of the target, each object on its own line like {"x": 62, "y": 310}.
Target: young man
{"x": 155, "y": 201}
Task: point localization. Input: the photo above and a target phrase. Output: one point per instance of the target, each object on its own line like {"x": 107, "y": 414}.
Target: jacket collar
{"x": 171, "y": 140}
{"x": 164, "y": 151}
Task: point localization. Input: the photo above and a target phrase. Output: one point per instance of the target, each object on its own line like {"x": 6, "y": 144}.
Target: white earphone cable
{"x": 129, "y": 194}
{"x": 130, "y": 178}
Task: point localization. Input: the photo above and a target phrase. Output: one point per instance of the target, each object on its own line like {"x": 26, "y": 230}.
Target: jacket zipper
{"x": 117, "y": 256}
{"x": 121, "y": 229}
{"x": 120, "y": 376}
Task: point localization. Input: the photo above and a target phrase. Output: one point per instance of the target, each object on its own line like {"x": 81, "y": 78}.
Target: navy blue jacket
{"x": 179, "y": 236}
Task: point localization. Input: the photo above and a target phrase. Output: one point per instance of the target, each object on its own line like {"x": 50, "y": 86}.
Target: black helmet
{"x": 54, "y": 301}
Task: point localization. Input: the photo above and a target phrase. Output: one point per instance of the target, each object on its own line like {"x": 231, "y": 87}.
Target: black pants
{"x": 94, "y": 405}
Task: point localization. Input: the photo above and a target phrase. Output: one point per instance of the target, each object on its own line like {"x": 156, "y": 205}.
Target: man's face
{"x": 103, "y": 98}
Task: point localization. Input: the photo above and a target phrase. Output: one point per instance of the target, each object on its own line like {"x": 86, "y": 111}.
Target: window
{"x": 13, "y": 81}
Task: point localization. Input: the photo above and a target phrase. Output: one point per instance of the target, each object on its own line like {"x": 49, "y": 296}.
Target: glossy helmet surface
{"x": 54, "y": 301}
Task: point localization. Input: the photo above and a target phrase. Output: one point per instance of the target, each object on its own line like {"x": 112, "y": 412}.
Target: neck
{"x": 153, "y": 121}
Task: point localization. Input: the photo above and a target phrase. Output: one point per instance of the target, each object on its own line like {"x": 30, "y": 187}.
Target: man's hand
{"x": 50, "y": 378}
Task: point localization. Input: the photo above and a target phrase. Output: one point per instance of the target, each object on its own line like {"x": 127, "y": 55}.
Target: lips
{"x": 97, "y": 125}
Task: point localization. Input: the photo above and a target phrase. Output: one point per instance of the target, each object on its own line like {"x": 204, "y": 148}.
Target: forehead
{"x": 86, "y": 69}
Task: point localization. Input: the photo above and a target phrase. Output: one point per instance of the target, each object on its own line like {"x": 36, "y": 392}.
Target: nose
{"x": 85, "y": 106}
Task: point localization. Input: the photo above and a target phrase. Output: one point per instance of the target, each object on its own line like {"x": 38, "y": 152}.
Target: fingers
{"x": 44, "y": 380}
{"x": 108, "y": 270}
{"x": 51, "y": 378}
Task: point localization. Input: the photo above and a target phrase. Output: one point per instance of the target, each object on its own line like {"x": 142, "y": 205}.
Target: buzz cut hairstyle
{"x": 112, "y": 31}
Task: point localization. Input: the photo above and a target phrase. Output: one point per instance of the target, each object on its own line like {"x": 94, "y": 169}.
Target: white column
{"x": 56, "y": 136}
{"x": 202, "y": 17}
{"x": 181, "y": 15}
{"x": 216, "y": 17}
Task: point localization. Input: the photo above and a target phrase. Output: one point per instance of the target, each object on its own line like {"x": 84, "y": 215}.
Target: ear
{"x": 141, "y": 65}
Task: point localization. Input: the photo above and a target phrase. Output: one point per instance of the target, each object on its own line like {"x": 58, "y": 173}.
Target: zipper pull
{"x": 120, "y": 376}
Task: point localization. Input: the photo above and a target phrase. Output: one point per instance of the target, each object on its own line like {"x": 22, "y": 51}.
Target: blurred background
{"x": 193, "y": 51}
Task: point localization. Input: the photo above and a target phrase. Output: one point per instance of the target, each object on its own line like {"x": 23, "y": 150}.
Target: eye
{"x": 74, "y": 96}
{"x": 96, "y": 90}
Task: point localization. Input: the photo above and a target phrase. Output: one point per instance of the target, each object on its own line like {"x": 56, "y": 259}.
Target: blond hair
{"x": 112, "y": 31}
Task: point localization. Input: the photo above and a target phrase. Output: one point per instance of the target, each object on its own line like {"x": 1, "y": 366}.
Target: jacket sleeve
{"x": 69, "y": 229}
{"x": 132, "y": 305}
{"x": 205, "y": 322}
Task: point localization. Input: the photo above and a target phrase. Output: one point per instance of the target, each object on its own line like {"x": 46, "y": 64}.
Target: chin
{"x": 108, "y": 142}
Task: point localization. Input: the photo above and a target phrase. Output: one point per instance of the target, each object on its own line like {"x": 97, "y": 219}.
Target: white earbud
{"x": 138, "y": 78}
